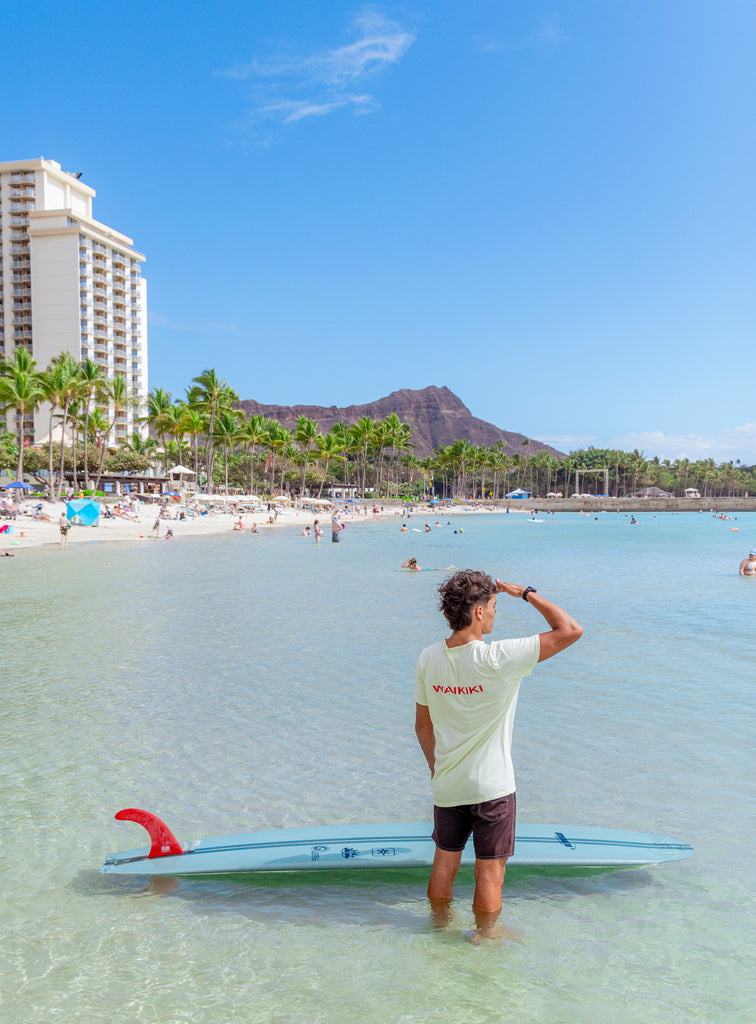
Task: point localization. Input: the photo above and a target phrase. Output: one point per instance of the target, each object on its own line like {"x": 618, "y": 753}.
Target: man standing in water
{"x": 466, "y": 695}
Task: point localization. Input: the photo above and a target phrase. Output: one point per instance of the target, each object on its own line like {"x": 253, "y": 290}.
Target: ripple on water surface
{"x": 246, "y": 682}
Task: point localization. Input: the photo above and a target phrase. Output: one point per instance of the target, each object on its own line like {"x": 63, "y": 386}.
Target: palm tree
{"x": 100, "y": 427}
{"x": 20, "y": 389}
{"x": 195, "y": 424}
{"x": 526, "y": 445}
{"x": 55, "y": 382}
{"x": 92, "y": 381}
{"x": 140, "y": 445}
{"x": 329, "y": 448}
{"x": 460, "y": 453}
{"x": 254, "y": 432}
{"x": 362, "y": 434}
{"x": 288, "y": 453}
{"x": 275, "y": 439}
{"x": 384, "y": 436}
{"x": 209, "y": 395}
{"x": 227, "y": 434}
{"x": 70, "y": 384}
{"x": 499, "y": 463}
{"x": 401, "y": 442}
{"x": 341, "y": 433}
{"x": 172, "y": 422}
{"x": 75, "y": 419}
{"x": 116, "y": 393}
{"x": 443, "y": 464}
{"x": 306, "y": 434}
{"x": 158, "y": 401}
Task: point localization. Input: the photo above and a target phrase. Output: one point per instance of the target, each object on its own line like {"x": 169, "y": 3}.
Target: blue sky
{"x": 547, "y": 207}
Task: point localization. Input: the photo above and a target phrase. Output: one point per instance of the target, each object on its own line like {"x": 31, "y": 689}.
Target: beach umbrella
{"x": 88, "y": 511}
{"x": 171, "y": 494}
{"x": 18, "y": 483}
{"x": 180, "y": 471}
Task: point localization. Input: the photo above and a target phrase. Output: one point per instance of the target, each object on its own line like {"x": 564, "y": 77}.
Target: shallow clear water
{"x": 246, "y": 682}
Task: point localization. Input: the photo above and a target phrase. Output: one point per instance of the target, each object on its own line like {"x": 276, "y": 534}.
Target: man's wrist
{"x": 527, "y": 592}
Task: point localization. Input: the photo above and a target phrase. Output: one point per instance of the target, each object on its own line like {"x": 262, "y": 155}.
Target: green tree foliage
{"x": 378, "y": 456}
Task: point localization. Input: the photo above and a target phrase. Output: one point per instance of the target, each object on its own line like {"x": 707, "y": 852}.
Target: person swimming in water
{"x": 411, "y": 564}
{"x": 748, "y": 565}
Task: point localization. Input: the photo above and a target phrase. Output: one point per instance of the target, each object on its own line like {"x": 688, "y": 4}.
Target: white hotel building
{"x": 69, "y": 283}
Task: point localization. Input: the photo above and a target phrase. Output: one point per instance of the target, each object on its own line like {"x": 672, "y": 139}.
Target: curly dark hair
{"x": 461, "y": 593}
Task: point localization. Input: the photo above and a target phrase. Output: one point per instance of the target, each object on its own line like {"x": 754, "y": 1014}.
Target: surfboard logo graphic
{"x": 386, "y": 851}
{"x": 315, "y": 852}
{"x": 564, "y": 840}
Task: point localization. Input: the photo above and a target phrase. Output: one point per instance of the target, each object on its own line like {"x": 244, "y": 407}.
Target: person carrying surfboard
{"x": 466, "y": 694}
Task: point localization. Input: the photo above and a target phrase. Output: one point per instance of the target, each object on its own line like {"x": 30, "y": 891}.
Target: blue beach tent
{"x": 87, "y": 511}
{"x": 518, "y": 493}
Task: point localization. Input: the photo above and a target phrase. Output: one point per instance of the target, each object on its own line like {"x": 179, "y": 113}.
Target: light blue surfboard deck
{"x": 401, "y": 845}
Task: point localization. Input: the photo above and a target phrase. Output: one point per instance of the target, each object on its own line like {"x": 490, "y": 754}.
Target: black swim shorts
{"x": 492, "y": 825}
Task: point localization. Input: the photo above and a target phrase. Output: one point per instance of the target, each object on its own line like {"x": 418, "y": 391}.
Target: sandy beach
{"x": 31, "y": 529}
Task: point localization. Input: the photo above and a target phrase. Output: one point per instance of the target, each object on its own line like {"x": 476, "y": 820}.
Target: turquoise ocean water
{"x": 248, "y": 682}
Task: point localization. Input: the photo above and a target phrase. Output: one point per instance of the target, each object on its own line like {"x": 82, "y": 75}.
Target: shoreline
{"x": 27, "y": 532}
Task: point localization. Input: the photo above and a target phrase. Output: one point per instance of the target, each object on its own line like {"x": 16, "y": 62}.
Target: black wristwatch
{"x": 526, "y": 591}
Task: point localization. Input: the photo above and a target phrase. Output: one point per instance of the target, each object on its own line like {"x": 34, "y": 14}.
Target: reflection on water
{"x": 248, "y": 682}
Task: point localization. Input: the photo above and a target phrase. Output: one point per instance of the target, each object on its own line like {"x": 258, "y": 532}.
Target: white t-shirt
{"x": 471, "y": 694}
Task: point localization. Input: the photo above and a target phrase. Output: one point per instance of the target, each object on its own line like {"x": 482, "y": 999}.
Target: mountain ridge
{"x": 437, "y": 417}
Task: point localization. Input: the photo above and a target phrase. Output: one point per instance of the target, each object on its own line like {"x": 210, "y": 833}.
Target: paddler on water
{"x": 466, "y": 693}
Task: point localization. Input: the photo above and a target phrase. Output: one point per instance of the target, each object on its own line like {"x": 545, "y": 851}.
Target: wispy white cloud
{"x": 730, "y": 443}
{"x": 217, "y": 326}
{"x": 158, "y": 320}
{"x": 290, "y": 88}
{"x": 568, "y": 442}
{"x": 290, "y": 111}
{"x": 547, "y": 34}
{"x": 221, "y": 326}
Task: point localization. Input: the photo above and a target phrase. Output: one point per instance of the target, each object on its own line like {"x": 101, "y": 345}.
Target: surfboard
{"x": 400, "y": 845}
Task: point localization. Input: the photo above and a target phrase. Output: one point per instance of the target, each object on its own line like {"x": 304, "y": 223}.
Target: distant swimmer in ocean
{"x": 748, "y": 565}
{"x": 411, "y": 563}
{"x": 403, "y": 529}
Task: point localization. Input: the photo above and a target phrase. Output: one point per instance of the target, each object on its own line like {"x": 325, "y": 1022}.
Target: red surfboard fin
{"x": 164, "y": 843}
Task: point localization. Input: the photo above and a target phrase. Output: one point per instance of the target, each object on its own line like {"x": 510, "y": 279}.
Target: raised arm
{"x": 564, "y": 631}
